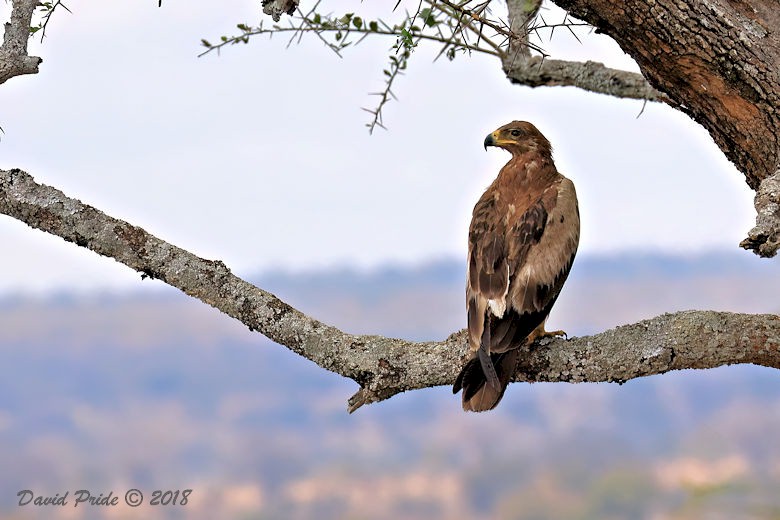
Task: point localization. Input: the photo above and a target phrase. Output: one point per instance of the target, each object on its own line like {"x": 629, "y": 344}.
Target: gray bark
{"x": 384, "y": 367}
{"x": 764, "y": 238}
{"x": 14, "y": 60}
{"x": 533, "y": 71}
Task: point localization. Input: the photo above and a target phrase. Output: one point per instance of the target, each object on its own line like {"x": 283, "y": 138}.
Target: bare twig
{"x": 453, "y": 25}
{"x": 48, "y": 9}
{"x": 233, "y": 40}
{"x": 498, "y": 26}
{"x": 307, "y": 26}
{"x": 397, "y": 66}
{"x": 463, "y": 21}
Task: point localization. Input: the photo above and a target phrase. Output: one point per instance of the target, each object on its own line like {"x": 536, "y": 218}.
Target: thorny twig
{"x": 455, "y": 26}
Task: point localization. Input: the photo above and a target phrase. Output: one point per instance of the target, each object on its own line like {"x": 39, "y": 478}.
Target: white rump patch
{"x": 497, "y": 307}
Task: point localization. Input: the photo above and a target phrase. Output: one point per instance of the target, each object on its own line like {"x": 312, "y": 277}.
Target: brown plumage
{"x": 522, "y": 240}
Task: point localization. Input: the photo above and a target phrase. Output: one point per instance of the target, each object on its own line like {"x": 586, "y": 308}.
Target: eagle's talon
{"x": 541, "y": 334}
{"x": 555, "y": 334}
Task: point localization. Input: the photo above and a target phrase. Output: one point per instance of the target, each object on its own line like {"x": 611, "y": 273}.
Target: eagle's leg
{"x": 540, "y": 333}
{"x": 484, "y": 358}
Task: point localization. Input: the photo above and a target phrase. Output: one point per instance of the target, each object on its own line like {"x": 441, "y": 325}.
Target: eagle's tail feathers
{"x": 478, "y": 395}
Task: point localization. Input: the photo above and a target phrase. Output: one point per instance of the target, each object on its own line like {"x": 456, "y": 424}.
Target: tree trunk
{"x": 719, "y": 62}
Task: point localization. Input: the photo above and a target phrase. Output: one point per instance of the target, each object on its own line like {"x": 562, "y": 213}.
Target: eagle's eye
{"x": 515, "y": 132}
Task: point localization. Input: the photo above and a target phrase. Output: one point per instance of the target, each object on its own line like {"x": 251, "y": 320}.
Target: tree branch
{"x": 537, "y": 71}
{"x": 533, "y": 71}
{"x": 384, "y": 367}
{"x": 14, "y": 60}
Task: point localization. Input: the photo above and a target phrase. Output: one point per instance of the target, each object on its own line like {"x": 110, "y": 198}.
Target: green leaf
{"x": 317, "y": 18}
{"x": 357, "y": 22}
{"x": 338, "y": 36}
{"x": 427, "y": 17}
{"x": 205, "y": 43}
{"x": 373, "y": 26}
{"x": 406, "y": 39}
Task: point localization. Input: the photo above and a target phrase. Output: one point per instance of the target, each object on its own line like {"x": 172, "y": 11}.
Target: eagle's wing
{"x": 487, "y": 282}
{"x": 542, "y": 262}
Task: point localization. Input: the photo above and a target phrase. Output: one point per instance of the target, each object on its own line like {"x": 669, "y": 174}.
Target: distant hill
{"x": 155, "y": 390}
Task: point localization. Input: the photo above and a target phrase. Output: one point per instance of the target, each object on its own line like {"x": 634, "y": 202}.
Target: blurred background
{"x": 259, "y": 158}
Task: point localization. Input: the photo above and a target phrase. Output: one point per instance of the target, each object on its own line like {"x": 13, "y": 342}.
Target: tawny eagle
{"x": 522, "y": 240}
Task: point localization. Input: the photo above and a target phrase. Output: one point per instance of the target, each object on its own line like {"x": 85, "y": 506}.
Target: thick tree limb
{"x": 384, "y": 367}
{"x": 14, "y": 60}
{"x": 533, "y": 71}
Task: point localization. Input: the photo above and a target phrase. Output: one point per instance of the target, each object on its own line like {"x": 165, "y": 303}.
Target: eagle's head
{"x": 519, "y": 137}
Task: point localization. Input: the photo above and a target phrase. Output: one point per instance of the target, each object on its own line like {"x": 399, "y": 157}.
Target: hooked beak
{"x": 489, "y": 141}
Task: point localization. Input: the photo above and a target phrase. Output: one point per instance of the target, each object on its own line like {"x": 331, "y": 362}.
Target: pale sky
{"x": 260, "y": 157}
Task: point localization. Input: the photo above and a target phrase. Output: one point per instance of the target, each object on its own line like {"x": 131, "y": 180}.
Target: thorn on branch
{"x": 644, "y": 104}
{"x": 47, "y": 9}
